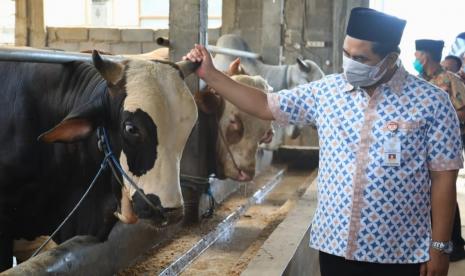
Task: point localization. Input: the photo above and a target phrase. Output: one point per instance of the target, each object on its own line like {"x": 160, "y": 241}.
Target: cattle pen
{"x": 234, "y": 239}
{"x": 229, "y": 227}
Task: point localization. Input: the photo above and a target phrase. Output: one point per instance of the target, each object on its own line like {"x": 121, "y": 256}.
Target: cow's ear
{"x": 208, "y": 102}
{"x": 68, "y": 131}
{"x": 111, "y": 71}
{"x": 78, "y": 125}
{"x": 235, "y": 68}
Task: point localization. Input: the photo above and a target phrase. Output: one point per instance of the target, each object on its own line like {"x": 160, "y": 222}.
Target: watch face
{"x": 449, "y": 248}
{"x": 445, "y": 247}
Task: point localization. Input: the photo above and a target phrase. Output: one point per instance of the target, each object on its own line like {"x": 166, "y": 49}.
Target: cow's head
{"x": 149, "y": 113}
{"x": 304, "y": 71}
{"x": 242, "y": 132}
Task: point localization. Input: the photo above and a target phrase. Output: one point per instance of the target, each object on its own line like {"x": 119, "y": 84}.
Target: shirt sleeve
{"x": 297, "y": 106}
{"x": 444, "y": 144}
{"x": 457, "y": 94}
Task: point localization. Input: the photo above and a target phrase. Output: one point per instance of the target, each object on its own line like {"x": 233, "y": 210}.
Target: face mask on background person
{"x": 362, "y": 75}
{"x": 418, "y": 66}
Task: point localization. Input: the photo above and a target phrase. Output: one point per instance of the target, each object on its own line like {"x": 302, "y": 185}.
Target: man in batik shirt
{"x": 390, "y": 151}
{"x": 428, "y": 56}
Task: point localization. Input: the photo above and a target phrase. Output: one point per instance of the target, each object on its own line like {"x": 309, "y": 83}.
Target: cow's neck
{"x": 85, "y": 84}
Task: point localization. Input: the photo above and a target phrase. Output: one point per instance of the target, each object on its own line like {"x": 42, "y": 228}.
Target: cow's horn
{"x": 187, "y": 67}
{"x": 303, "y": 65}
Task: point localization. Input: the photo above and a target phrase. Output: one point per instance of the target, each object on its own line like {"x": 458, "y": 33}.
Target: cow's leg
{"x": 6, "y": 250}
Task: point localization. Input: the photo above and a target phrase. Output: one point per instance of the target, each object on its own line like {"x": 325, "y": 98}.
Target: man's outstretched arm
{"x": 246, "y": 98}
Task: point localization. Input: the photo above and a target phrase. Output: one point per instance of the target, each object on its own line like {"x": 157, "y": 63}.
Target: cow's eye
{"x": 131, "y": 129}
{"x": 234, "y": 130}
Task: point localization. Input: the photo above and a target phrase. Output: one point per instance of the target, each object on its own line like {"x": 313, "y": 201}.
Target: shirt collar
{"x": 396, "y": 83}
{"x": 435, "y": 74}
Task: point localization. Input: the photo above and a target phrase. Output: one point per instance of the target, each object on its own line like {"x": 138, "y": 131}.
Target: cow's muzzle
{"x": 158, "y": 216}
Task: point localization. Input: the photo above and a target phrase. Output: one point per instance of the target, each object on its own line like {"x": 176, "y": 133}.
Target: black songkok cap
{"x": 433, "y": 47}
{"x": 375, "y": 26}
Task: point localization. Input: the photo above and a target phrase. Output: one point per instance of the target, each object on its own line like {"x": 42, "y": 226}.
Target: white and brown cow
{"x": 234, "y": 133}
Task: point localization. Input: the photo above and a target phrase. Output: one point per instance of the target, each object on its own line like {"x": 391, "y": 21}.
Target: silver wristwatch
{"x": 443, "y": 247}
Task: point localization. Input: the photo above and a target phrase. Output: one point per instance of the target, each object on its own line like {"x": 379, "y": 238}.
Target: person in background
{"x": 390, "y": 151}
{"x": 461, "y": 72}
{"x": 428, "y": 55}
{"x": 458, "y": 49}
{"x": 452, "y": 63}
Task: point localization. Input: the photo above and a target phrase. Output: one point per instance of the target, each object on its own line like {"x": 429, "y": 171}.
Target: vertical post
{"x": 21, "y": 23}
{"x": 29, "y": 25}
{"x": 272, "y": 23}
{"x": 36, "y": 26}
{"x": 187, "y": 28}
{"x": 341, "y": 12}
{"x": 228, "y": 16}
{"x": 203, "y": 29}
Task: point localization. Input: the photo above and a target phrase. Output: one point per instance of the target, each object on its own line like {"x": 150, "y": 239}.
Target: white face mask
{"x": 362, "y": 75}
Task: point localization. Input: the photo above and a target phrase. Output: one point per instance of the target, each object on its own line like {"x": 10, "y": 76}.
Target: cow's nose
{"x": 145, "y": 211}
{"x": 267, "y": 137}
{"x": 245, "y": 176}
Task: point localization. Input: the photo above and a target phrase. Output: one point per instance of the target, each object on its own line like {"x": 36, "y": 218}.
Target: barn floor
{"x": 230, "y": 254}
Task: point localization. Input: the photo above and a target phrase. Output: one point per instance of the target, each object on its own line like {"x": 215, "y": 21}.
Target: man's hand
{"x": 438, "y": 264}
{"x": 246, "y": 98}
{"x": 200, "y": 54}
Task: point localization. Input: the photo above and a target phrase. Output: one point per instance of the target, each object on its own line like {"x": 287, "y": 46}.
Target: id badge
{"x": 392, "y": 152}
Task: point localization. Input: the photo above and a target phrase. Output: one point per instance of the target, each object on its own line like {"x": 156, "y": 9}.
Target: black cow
{"x": 49, "y": 114}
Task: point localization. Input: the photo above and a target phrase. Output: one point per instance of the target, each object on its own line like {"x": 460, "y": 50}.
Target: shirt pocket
{"x": 410, "y": 133}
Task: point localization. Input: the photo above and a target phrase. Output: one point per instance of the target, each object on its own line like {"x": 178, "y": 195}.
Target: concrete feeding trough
{"x": 84, "y": 255}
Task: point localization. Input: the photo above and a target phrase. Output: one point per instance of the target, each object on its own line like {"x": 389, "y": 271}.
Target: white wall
{"x": 117, "y": 13}
{"x": 7, "y": 22}
{"x": 442, "y": 20}
{"x": 66, "y": 13}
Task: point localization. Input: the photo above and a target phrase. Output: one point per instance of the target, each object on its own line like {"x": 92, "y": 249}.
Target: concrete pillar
{"x": 184, "y": 32}
{"x": 21, "y": 23}
{"x": 228, "y": 16}
{"x": 29, "y": 25}
{"x": 244, "y": 17}
{"x": 341, "y": 12}
{"x": 272, "y": 23}
{"x": 317, "y": 33}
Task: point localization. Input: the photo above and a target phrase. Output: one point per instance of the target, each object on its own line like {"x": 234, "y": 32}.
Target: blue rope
{"x": 103, "y": 166}
{"x": 115, "y": 162}
{"x": 108, "y": 160}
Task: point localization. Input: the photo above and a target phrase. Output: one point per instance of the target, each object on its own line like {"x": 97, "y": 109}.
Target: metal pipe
{"x": 162, "y": 41}
{"x": 47, "y": 56}
{"x": 232, "y": 52}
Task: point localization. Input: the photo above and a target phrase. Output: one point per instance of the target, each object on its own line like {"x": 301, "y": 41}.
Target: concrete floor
{"x": 458, "y": 268}
{"x": 231, "y": 254}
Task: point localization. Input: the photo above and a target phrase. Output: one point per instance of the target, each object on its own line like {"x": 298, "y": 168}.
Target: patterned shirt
{"x": 451, "y": 83}
{"x": 368, "y": 211}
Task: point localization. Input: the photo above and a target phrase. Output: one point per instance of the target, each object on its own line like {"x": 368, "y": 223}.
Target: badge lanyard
{"x": 392, "y": 148}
